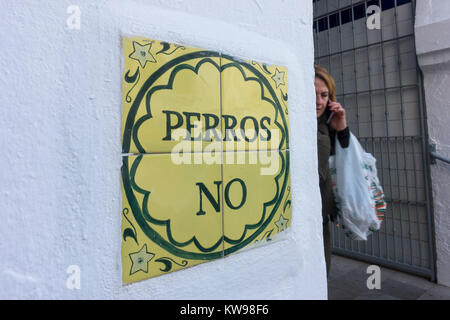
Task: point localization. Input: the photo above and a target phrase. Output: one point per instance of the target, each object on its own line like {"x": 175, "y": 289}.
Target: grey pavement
{"x": 348, "y": 281}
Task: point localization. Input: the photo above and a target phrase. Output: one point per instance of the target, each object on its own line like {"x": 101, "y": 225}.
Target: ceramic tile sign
{"x": 205, "y": 163}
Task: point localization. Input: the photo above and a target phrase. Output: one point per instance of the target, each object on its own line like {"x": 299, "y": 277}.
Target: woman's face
{"x": 322, "y": 96}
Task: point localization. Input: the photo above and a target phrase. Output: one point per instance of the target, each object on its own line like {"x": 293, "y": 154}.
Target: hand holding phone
{"x": 336, "y": 119}
{"x": 331, "y": 114}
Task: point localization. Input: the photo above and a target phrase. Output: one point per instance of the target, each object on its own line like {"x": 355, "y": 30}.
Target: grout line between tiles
{"x": 191, "y": 152}
{"x": 221, "y": 152}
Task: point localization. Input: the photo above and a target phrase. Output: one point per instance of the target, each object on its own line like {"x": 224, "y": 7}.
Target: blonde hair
{"x": 322, "y": 73}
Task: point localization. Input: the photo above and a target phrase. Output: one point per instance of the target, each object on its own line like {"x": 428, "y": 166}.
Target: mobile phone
{"x": 331, "y": 114}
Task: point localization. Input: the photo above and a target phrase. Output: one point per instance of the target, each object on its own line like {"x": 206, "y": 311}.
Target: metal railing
{"x": 434, "y": 155}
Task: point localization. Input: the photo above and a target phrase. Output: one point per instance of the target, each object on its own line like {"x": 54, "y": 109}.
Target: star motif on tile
{"x": 278, "y": 77}
{"x": 281, "y": 223}
{"x": 140, "y": 259}
{"x": 142, "y": 53}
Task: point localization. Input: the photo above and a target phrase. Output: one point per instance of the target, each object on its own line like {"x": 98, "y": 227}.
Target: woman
{"x": 330, "y": 120}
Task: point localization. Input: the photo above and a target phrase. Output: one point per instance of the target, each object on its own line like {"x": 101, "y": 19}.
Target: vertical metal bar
{"x": 353, "y": 39}
{"x": 370, "y": 82}
{"x": 425, "y": 168}
{"x": 397, "y": 163}
{"x": 414, "y": 160}
{"x": 329, "y": 43}
{"x": 343, "y": 87}
{"x": 354, "y": 70}
{"x": 399, "y": 198}
{"x": 403, "y": 132}
{"x": 382, "y": 183}
{"x": 403, "y": 129}
{"x": 341, "y": 236}
{"x": 381, "y": 141}
{"x": 370, "y": 95}
{"x": 355, "y": 77}
{"x": 427, "y": 189}
{"x": 417, "y": 197}
{"x": 386, "y": 113}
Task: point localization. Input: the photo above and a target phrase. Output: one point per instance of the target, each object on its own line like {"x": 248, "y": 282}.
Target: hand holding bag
{"x": 358, "y": 194}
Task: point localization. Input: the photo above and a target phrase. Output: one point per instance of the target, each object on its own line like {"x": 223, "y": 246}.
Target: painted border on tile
{"x": 130, "y": 132}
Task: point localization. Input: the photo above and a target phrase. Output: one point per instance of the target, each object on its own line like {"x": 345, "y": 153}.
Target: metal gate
{"x": 379, "y": 84}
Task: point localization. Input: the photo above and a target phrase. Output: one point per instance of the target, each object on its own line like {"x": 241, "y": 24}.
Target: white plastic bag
{"x": 358, "y": 194}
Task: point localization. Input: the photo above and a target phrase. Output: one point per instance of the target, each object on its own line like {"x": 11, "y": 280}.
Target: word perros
{"x": 234, "y": 130}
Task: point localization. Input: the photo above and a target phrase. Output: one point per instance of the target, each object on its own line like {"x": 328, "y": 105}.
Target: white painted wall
{"x": 433, "y": 50}
{"x": 60, "y": 195}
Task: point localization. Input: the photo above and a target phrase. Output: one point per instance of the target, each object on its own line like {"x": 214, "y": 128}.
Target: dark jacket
{"x": 325, "y": 146}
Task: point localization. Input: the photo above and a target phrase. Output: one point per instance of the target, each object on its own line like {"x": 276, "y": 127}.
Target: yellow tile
{"x": 169, "y": 91}
{"x": 254, "y": 105}
{"x": 257, "y": 197}
{"x": 171, "y": 215}
{"x": 176, "y": 207}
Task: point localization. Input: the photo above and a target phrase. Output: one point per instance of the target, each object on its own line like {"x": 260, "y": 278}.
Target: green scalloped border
{"x": 130, "y": 132}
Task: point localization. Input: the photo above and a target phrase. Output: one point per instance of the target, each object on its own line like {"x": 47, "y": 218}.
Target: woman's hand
{"x": 338, "y": 122}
